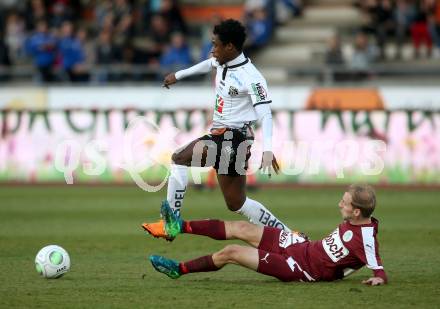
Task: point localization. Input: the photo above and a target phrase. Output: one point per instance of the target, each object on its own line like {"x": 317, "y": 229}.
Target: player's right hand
{"x": 268, "y": 161}
{"x": 374, "y": 281}
{"x": 169, "y": 80}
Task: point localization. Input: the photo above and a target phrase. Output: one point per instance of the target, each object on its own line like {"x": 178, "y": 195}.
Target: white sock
{"x": 177, "y": 187}
{"x": 258, "y": 214}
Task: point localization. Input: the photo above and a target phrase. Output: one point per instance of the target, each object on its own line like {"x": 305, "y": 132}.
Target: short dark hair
{"x": 231, "y": 31}
{"x": 363, "y": 197}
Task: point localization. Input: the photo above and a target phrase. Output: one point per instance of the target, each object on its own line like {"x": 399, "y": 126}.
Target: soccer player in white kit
{"x": 241, "y": 99}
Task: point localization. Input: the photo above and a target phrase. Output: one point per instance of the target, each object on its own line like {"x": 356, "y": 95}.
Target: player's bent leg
{"x": 236, "y": 254}
{"x": 264, "y": 262}
{"x": 178, "y": 179}
{"x": 215, "y": 229}
{"x": 248, "y": 232}
{"x": 276, "y": 265}
{"x": 174, "y": 269}
{"x": 192, "y": 154}
{"x": 259, "y": 214}
{"x": 234, "y": 192}
{"x": 177, "y": 183}
{"x": 233, "y": 189}
{"x": 272, "y": 256}
{"x": 173, "y": 225}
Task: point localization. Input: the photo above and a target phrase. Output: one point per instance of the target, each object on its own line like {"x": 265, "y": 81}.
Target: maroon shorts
{"x": 275, "y": 261}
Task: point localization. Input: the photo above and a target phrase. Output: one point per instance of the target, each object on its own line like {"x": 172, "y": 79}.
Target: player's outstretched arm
{"x": 374, "y": 281}
{"x": 199, "y": 68}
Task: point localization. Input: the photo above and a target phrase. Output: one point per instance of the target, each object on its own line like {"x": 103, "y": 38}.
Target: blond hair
{"x": 364, "y": 198}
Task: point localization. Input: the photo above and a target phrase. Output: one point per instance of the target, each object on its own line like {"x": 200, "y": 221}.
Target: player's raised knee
{"x": 179, "y": 158}
{"x": 234, "y": 203}
{"x": 175, "y": 158}
{"x": 230, "y": 252}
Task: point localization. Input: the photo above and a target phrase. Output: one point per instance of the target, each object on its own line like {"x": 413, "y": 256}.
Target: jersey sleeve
{"x": 265, "y": 116}
{"x": 199, "y": 68}
{"x": 370, "y": 253}
{"x": 257, "y": 89}
{"x": 258, "y": 92}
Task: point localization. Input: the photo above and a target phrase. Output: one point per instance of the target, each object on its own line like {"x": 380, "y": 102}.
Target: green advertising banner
{"x": 118, "y": 145}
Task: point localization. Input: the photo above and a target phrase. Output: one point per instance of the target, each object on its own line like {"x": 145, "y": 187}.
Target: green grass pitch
{"x": 100, "y": 228}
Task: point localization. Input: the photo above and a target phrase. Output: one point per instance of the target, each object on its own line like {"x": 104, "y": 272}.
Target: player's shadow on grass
{"x": 267, "y": 281}
{"x": 239, "y": 282}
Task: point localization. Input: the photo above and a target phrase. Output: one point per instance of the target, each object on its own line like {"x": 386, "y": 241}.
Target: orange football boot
{"x": 157, "y": 229}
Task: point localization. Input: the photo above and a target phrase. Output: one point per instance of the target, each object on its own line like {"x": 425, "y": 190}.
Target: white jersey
{"x": 239, "y": 87}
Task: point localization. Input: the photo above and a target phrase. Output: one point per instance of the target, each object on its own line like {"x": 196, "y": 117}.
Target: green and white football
{"x": 52, "y": 262}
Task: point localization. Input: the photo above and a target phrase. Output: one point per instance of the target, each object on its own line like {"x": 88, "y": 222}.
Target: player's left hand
{"x": 374, "y": 281}
{"x": 268, "y": 161}
{"x": 169, "y": 80}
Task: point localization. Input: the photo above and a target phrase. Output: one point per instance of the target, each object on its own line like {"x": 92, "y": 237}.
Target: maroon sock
{"x": 211, "y": 228}
{"x": 201, "y": 264}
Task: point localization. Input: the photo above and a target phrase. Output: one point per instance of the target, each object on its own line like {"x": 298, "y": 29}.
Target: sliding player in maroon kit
{"x": 285, "y": 255}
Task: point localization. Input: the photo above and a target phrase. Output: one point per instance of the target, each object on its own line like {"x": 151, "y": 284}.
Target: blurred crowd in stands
{"x": 388, "y": 22}
{"x": 118, "y": 40}
{"x": 396, "y": 20}
{"x": 67, "y": 39}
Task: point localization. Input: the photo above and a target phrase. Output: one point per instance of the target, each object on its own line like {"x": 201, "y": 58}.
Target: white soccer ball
{"x": 52, "y": 262}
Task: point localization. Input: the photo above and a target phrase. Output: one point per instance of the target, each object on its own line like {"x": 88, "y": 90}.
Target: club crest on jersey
{"x": 233, "y": 91}
{"x": 348, "y": 235}
{"x": 334, "y": 247}
{"x": 259, "y": 92}
{"x": 219, "y": 103}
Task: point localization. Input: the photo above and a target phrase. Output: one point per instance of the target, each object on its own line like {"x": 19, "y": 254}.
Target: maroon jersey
{"x": 347, "y": 247}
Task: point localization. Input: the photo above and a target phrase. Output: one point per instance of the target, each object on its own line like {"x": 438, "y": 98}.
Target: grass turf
{"x": 100, "y": 228}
